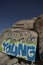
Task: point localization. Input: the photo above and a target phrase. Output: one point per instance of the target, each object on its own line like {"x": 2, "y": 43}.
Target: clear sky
{"x": 14, "y": 10}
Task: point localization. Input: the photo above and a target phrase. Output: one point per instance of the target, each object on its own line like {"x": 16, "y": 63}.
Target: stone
{"x": 38, "y": 27}
{"x": 14, "y": 61}
{"x": 26, "y": 24}
{"x": 23, "y": 35}
{"x": 4, "y": 59}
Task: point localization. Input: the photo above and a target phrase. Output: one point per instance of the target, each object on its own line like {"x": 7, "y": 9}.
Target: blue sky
{"x": 14, "y": 10}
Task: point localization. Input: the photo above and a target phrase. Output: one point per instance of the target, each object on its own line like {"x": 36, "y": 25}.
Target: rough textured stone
{"x": 24, "y": 35}
{"x": 20, "y": 35}
{"x": 18, "y": 32}
{"x": 4, "y": 59}
{"x": 28, "y": 24}
{"x": 22, "y": 63}
{"x": 38, "y": 25}
{"x": 5, "y": 35}
{"x": 13, "y": 62}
